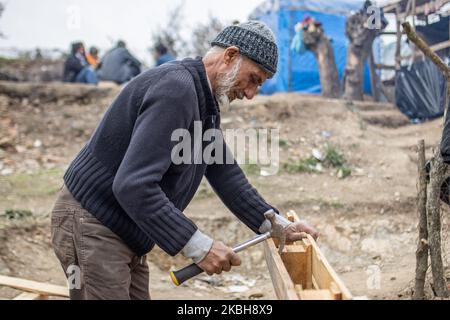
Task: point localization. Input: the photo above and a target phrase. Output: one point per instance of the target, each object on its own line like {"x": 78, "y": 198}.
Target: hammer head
{"x": 278, "y": 230}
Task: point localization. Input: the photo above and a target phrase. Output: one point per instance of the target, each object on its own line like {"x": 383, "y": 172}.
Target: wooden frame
{"x": 302, "y": 272}
{"x": 403, "y": 9}
{"x": 33, "y": 290}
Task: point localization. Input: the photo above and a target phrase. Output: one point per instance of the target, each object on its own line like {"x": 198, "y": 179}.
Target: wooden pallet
{"x": 302, "y": 272}
{"x": 33, "y": 290}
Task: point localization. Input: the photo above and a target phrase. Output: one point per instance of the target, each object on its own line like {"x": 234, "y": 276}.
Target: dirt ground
{"x": 366, "y": 217}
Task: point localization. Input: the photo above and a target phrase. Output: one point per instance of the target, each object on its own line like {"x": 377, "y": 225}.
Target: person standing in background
{"x": 162, "y": 55}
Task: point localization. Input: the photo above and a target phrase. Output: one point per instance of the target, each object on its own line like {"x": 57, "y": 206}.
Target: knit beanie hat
{"x": 255, "y": 41}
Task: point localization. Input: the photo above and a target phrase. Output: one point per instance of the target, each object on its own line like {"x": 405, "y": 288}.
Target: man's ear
{"x": 230, "y": 54}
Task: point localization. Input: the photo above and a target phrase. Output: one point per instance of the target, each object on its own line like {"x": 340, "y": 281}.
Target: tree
{"x": 169, "y": 35}
{"x": 203, "y": 34}
{"x": 316, "y": 41}
{"x": 361, "y": 33}
{"x": 430, "y": 224}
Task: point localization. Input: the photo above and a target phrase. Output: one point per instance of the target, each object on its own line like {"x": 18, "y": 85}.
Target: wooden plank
{"x": 384, "y": 66}
{"x": 322, "y": 272}
{"x": 314, "y": 283}
{"x": 34, "y": 287}
{"x": 391, "y": 6}
{"x": 315, "y": 295}
{"x": 398, "y": 42}
{"x": 434, "y": 48}
{"x": 308, "y": 249}
{"x": 282, "y": 282}
{"x": 391, "y": 33}
{"x": 303, "y": 266}
{"x": 336, "y": 293}
{"x": 294, "y": 258}
{"x": 306, "y": 263}
{"x": 30, "y": 296}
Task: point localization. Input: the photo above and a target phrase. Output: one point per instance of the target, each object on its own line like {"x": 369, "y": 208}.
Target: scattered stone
{"x": 20, "y": 149}
{"x": 317, "y": 154}
{"x": 37, "y": 143}
{"x": 326, "y": 134}
{"x": 6, "y": 172}
{"x": 237, "y": 289}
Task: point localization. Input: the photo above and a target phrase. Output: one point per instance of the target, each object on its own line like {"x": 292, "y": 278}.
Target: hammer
{"x": 192, "y": 270}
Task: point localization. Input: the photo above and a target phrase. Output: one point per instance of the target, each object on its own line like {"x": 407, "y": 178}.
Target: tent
{"x": 419, "y": 85}
{"x": 300, "y": 73}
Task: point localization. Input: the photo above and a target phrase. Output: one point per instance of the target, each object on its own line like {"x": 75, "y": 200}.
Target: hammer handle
{"x": 188, "y": 272}
{"x": 192, "y": 270}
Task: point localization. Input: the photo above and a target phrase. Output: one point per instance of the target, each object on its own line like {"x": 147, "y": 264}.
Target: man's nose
{"x": 250, "y": 93}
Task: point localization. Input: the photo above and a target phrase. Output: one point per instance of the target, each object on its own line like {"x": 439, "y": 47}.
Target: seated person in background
{"x": 162, "y": 55}
{"x": 118, "y": 65}
{"x": 92, "y": 57}
{"x": 76, "y": 68}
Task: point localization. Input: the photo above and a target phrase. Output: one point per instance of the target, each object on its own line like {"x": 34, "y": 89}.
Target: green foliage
{"x": 15, "y": 214}
{"x": 303, "y": 165}
{"x": 333, "y": 157}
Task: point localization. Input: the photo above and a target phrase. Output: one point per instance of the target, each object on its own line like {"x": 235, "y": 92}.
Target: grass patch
{"x": 333, "y": 158}
{"x": 14, "y": 214}
{"x": 42, "y": 183}
{"x": 307, "y": 165}
{"x": 284, "y": 143}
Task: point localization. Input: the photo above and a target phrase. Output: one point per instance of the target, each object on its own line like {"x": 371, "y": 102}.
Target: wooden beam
{"x": 422, "y": 45}
{"x": 398, "y": 43}
{"x": 384, "y": 66}
{"x": 302, "y": 267}
{"x": 390, "y": 33}
{"x": 336, "y": 293}
{"x": 322, "y": 271}
{"x": 282, "y": 282}
{"x": 421, "y": 9}
{"x": 433, "y": 48}
{"x": 315, "y": 295}
{"x": 308, "y": 264}
{"x": 30, "y": 296}
{"x": 34, "y": 287}
{"x": 295, "y": 261}
{"x": 391, "y": 7}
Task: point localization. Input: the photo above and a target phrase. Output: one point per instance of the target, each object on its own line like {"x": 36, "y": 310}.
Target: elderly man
{"x": 123, "y": 194}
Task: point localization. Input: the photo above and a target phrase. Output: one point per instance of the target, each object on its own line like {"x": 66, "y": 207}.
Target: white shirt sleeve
{"x": 197, "y": 247}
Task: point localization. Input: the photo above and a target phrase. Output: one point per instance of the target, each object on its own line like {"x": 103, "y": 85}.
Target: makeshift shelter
{"x": 419, "y": 85}
{"x": 301, "y": 72}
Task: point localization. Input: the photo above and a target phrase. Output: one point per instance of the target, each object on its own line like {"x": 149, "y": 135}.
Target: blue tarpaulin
{"x": 282, "y": 16}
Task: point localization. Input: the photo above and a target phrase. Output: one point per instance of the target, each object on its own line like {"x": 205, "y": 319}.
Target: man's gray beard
{"x": 225, "y": 85}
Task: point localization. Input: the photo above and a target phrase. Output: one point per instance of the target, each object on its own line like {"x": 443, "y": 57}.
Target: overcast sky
{"x": 27, "y": 24}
